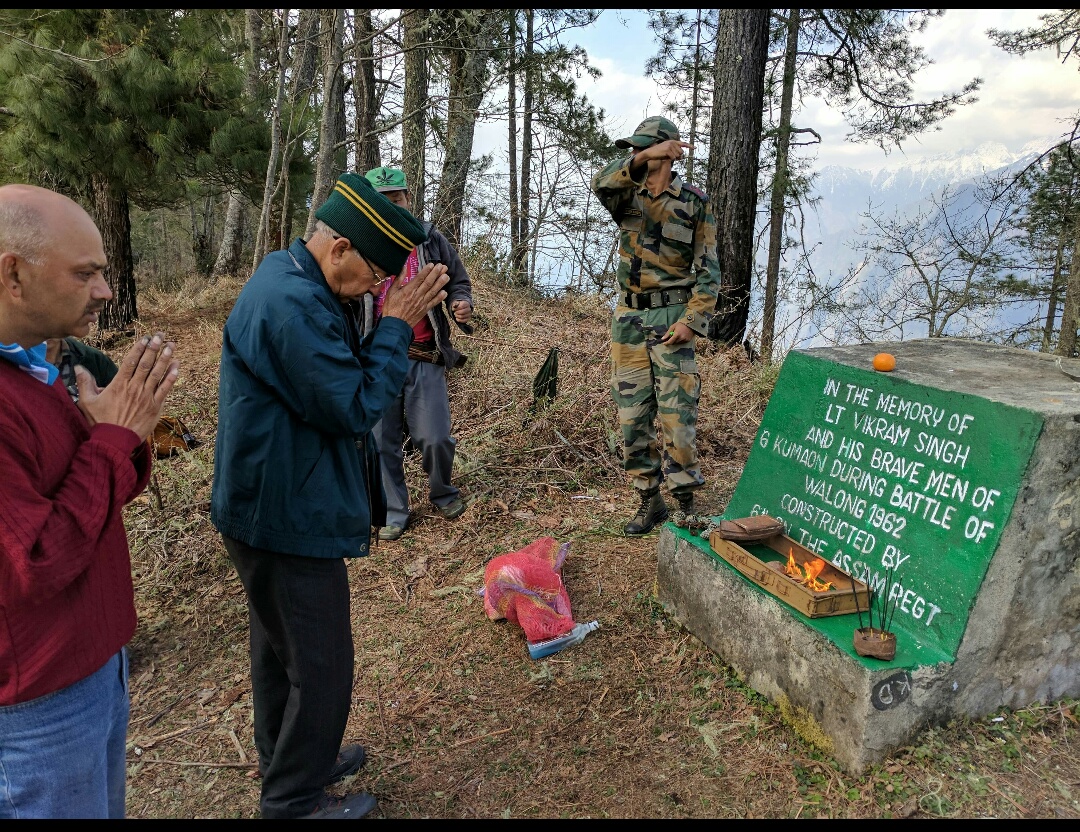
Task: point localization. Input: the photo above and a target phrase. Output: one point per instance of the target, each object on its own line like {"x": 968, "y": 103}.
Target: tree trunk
{"x": 285, "y": 207}
{"x": 1054, "y": 295}
{"x": 468, "y": 79}
{"x": 332, "y": 123}
{"x": 738, "y": 95}
{"x": 694, "y": 95}
{"x": 512, "y": 149}
{"x": 367, "y": 101}
{"x": 306, "y": 52}
{"x": 780, "y": 185}
{"x": 110, "y": 207}
{"x": 414, "y": 106}
{"x": 202, "y": 236}
{"x": 520, "y": 256}
{"x": 1070, "y": 309}
{"x": 228, "y": 256}
{"x": 301, "y": 89}
{"x": 263, "y": 233}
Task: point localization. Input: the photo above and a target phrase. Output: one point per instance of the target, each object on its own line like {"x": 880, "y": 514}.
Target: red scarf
{"x": 422, "y": 332}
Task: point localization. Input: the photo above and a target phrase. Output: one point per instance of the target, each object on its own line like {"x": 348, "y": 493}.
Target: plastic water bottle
{"x": 554, "y": 645}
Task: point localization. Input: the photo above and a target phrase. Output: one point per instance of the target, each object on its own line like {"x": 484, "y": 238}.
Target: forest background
{"x": 201, "y": 139}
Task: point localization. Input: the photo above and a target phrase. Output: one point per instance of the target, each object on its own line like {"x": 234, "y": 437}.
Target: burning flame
{"x": 808, "y": 573}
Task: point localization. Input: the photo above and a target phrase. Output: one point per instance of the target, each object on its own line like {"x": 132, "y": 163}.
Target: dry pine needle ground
{"x": 639, "y": 721}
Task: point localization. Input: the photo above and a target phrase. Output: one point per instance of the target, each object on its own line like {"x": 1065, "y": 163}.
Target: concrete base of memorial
{"x": 1021, "y": 641}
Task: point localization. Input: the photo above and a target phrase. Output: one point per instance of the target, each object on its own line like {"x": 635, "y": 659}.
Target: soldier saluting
{"x": 668, "y": 280}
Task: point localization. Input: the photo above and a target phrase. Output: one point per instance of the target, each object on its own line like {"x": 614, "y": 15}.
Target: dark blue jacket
{"x": 295, "y": 470}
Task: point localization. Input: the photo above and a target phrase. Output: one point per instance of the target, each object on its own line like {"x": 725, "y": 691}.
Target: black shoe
{"x": 338, "y": 808}
{"x": 350, "y": 760}
{"x": 452, "y": 511}
{"x": 684, "y": 516}
{"x": 685, "y": 510}
{"x": 652, "y": 511}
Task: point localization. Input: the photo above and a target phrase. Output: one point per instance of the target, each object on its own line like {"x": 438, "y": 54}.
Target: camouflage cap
{"x": 386, "y": 179}
{"x": 652, "y": 130}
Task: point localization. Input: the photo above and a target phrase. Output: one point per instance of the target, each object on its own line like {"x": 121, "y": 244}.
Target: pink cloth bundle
{"x": 526, "y": 587}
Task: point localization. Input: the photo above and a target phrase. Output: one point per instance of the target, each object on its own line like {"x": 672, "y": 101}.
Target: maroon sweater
{"x": 66, "y": 597}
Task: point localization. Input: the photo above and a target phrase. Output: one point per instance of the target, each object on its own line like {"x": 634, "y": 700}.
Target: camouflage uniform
{"x": 667, "y": 242}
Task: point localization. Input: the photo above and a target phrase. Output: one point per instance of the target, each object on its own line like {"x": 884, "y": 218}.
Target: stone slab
{"x": 1018, "y": 639}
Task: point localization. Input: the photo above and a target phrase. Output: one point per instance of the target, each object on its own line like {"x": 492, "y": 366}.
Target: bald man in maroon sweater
{"x": 66, "y": 471}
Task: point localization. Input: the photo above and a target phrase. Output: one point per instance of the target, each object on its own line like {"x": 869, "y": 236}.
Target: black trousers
{"x": 301, "y": 671}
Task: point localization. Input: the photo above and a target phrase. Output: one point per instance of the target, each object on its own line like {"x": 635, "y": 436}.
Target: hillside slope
{"x": 639, "y": 721}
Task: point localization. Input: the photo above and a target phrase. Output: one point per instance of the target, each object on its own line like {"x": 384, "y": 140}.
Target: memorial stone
{"x": 952, "y": 483}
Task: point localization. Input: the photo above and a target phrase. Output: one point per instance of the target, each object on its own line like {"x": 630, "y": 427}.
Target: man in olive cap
{"x": 296, "y": 478}
{"x": 668, "y": 277}
{"x": 423, "y": 403}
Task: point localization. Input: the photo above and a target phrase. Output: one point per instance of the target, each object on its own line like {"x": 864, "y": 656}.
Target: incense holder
{"x": 876, "y": 644}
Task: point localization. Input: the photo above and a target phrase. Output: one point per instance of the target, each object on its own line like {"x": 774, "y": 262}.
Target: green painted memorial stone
{"x": 879, "y": 475}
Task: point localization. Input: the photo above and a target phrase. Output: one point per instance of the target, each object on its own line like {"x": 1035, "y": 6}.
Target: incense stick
{"x": 892, "y": 614}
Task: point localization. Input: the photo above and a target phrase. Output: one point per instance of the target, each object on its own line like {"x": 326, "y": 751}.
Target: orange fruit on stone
{"x": 884, "y": 362}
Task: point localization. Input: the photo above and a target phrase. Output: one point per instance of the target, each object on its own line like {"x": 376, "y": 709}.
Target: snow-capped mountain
{"x": 897, "y": 187}
{"x": 833, "y": 224}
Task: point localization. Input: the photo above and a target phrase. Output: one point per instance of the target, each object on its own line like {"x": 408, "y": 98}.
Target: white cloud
{"x": 1022, "y": 99}
{"x": 627, "y": 99}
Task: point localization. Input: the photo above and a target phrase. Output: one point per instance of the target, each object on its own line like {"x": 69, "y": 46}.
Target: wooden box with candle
{"x": 794, "y": 574}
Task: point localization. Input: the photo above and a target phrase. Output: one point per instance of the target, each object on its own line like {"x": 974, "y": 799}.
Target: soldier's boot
{"x": 652, "y": 510}
{"x": 684, "y": 516}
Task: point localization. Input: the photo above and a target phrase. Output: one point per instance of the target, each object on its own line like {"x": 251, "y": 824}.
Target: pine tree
{"x": 685, "y": 55}
{"x": 116, "y": 106}
{"x": 468, "y": 38}
{"x": 735, "y": 141}
{"x": 365, "y": 95}
{"x": 559, "y": 127}
{"x": 330, "y": 157}
{"x": 1060, "y": 30}
{"x": 416, "y": 35}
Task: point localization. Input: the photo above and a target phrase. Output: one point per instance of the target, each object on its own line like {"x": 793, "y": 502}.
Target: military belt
{"x": 657, "y": 299}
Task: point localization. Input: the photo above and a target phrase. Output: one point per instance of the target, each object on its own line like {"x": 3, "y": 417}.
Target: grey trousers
{"x": 425, "y": 404}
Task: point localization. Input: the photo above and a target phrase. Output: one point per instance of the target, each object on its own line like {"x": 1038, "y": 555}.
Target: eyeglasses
{"x": 379, "y": 281}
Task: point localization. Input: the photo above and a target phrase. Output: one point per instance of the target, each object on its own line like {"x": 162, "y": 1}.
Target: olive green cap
{"x": 652, "y": 130}
{"x": 376, "y": 227}
{"x": 386, "y": 179}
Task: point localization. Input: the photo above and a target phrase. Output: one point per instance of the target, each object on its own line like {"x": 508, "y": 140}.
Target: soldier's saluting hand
{"x": 671, "y": 150}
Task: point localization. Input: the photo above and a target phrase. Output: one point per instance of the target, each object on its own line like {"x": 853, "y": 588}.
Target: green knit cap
{"x": 377, "y": 228}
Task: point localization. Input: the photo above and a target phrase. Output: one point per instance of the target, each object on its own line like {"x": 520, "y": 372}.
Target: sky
{"x": 1022, "y": 99}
